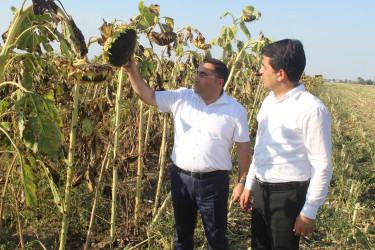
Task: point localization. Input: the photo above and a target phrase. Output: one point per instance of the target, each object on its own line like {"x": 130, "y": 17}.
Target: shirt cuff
{"x": 250, "y": 184}
{"x": 309, "y": 211}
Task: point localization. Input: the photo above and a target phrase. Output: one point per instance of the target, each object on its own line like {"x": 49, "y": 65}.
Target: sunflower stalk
{"x": 139, "y": 169}
{"x": 121, "y": 81}
{"x": 157, "y": 217}
{"x": 88, "y": 235}
{"x": 18, "y": 219}
{"x": 9, "y": 43}
{"x": 161, "y": 209}
{"x": 4, "y": 192}
{"x": 70, "y": 170}
{"x": 174, "y": 71}
{"x": 238, "y": 58}
{"x": 21, "y": 163}
{"x": 147, "y": 134}
{"x": 256, "y": 104}
{"x": 163, "y": 149}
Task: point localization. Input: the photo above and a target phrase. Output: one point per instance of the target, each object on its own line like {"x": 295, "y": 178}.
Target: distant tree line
{"x": 360, "y": 80}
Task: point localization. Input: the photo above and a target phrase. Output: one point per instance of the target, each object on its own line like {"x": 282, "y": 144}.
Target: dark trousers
{"x": 275, "y": 209}
{"x": 210, "y": 196}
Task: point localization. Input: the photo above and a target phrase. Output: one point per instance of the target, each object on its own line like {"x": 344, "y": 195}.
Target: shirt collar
{"x": 293, "y": 93}
{"x": 222, "y": 99}
{"x": 297, "y": 91}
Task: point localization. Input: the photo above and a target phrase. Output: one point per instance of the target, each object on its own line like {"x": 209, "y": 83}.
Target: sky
{"x": 338, "y": 35}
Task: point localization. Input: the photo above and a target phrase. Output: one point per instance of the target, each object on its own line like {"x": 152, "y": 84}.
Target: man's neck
{"x": 211, "y": 100}
{"x": 284, "y": 88}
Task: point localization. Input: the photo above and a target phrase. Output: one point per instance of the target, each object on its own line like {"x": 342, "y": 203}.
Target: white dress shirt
{"x": 293, "y": 143}
{"x": 203, "y": 134}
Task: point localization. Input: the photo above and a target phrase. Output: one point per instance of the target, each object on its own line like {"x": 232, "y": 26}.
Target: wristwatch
{"x": 241, "y": 181}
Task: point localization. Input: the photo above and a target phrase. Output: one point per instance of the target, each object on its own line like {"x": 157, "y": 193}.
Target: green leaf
{"x": 141, "y": 7}
{"x": 225, "y": 14}
{"x": 47, "y": 47}
{"x": 3, "y": 106}
{"x": 169, "y": 22}
{"x": 249, "y": 8}
{"x": 27, "y": 81}
{"x": 31, "y": 40}
{"x": 6, "y": 126}
{"x": 31, "y": 160}
{"x": 146, "y": 69}
{"x": 234, "y": 30}
{"x": 143, "y": 67}
{"x": 54, "y": 188}
{"x": 240, "y": 45}
{"x": 30, "y": 63}
{"x": 147, "y": 15}
{"x": 214, "y": 41}
{"x": 245, "y": 30}
{"x": 40, "y": 133}
{"x": 220, "y": 42}
{"x": 49, "y": 106}
{"x": 223, "y": 33}
{"x": 65, "y": 48}
{"x": 228, "y": 34}
{"x": 179, "y": 50}
{"x": 28, "y": 180}
{"x": 14, "y": 10}
{"x": 151, "y": 68}
{"x": 67, "y": 36}
{"x": 258, "y": 14}
{"x": 228, "y": 47}
{"x": 87, "y": 127}
{"x": 257, "y": 47}
{"x": 148, "y": 52}
{"x": 28, "y": 69}
{"x": 248, "y": 59}
{"x": 142, "y": 25}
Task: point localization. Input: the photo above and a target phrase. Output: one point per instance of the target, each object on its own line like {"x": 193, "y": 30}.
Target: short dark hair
{"x": 287, "y": 54}
{"x": 221, "y": 69}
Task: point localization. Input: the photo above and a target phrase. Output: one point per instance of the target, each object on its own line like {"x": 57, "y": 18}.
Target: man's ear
{"x": 221, "y": 83}
{"x": 281, "y": 75}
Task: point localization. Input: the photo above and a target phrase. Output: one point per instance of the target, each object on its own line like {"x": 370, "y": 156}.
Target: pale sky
{"x": 338, "y": 35}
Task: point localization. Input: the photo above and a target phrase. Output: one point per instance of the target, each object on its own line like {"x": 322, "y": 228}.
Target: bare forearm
{"x": 243, "y": 149}
{"x": 140, "y": 87}
{"x": 244, "y": 159}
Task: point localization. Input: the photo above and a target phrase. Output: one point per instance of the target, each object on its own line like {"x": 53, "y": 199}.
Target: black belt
{"x": 282, "y": 186}
{"x": 201, "y": 175}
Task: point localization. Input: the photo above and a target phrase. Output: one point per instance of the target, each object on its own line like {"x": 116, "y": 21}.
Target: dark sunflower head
{"x": 120, "y": 46}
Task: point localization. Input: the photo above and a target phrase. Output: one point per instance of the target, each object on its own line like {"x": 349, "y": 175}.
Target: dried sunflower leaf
{"x": 163, "y": 39}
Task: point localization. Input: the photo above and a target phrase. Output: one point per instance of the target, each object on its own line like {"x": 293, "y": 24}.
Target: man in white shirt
{"x": 291, "y": 167}
{"x": 206, "y": 123}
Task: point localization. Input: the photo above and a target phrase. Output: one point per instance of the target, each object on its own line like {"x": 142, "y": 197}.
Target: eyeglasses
{"x": 201, "y": 75}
